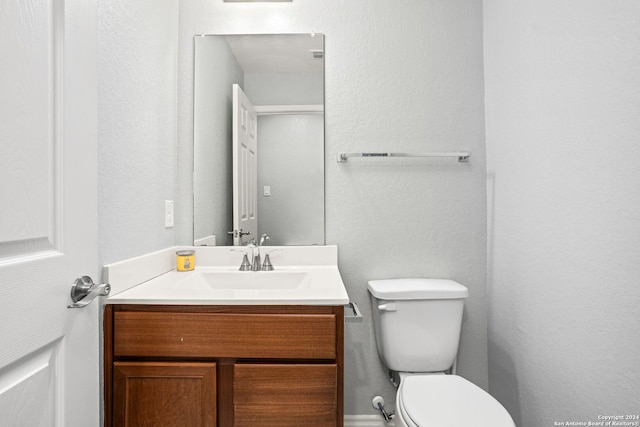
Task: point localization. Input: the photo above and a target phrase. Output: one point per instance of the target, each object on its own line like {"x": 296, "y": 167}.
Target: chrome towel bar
{"x": 462, "y": 156}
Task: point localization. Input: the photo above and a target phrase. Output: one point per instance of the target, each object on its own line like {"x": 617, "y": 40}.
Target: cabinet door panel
{"x": 164, "y": 394}
{"x": 285, "y": 395}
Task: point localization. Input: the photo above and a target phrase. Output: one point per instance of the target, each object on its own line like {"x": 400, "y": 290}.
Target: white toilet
{"x": 417, "y": 324}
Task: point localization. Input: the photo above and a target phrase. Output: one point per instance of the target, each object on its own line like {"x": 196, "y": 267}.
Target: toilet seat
{"x": 448, "y": 400}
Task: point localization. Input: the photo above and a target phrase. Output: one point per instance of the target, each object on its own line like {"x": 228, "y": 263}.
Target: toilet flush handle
{"x": 390, "y": 306}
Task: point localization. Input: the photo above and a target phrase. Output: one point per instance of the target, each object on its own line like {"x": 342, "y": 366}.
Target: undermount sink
{"x": 266, "y": 280}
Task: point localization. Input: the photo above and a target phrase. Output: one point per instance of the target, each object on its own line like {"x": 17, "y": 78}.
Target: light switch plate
{"x": 168, "y": 214}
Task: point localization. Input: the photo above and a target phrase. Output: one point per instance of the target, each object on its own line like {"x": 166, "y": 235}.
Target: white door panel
{"x": 245, "y": 167}
{"x": 48, "y": 214}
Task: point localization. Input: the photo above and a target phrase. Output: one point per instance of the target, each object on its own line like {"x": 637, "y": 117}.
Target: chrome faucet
{"x": 255, "y": 264}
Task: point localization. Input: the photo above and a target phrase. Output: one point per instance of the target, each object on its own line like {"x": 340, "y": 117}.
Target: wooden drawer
{"x": 285, "y": 395}
{"x": 221, "y": 335}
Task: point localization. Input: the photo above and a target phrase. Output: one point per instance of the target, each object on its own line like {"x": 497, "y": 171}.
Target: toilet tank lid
{"x": 407, "y": 289}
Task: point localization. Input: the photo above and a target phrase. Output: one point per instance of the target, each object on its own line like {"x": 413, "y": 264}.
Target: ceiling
{"x": 278, "y": 53}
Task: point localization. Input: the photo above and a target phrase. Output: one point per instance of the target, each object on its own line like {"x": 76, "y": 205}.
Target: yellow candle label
{"x": 185, "y": 261}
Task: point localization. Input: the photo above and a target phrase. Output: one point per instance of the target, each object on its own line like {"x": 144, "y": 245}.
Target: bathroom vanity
{"x": 223, "y": 365}
{"x": 184, "y": 350}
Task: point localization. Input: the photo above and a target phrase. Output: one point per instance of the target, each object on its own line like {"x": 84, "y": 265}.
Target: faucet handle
{"x": 266, "y": 265}
{"x": 246, "y": 265}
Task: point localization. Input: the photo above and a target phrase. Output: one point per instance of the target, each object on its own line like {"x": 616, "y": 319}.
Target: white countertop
{"x": 317, "y": 283}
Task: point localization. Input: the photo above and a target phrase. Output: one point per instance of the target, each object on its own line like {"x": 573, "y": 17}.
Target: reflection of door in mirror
{"x": 245, "y": 168}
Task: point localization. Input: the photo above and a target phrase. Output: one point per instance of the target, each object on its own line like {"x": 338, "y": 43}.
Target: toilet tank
{"x": 417, "y": 322}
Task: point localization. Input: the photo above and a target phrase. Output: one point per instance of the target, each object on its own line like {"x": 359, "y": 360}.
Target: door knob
{"x": 84, "y": 291}
{"x": 238, "y": 233}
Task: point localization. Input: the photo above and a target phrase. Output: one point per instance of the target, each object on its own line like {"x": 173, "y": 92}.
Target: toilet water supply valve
{"x": 378, "y": 403}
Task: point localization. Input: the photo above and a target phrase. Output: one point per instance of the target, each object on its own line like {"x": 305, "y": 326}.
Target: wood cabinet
{"x": 223, "y": 365}
{"x": 178, "y": 394}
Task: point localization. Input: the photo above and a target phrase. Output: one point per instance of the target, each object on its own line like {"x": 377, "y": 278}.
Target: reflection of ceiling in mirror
{"x": 277, "y": 53}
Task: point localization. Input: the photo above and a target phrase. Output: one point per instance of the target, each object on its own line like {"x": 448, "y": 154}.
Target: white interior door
{"x": 49, "y": 369}
{"x": 245, "y": 168}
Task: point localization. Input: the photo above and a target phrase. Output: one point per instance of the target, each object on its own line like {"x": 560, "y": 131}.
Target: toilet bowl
{"x": 417, "y": 325}
{"x": 447, "y": 400}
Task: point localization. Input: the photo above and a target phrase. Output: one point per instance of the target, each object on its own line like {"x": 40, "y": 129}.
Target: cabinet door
{"x": 164, "y": 394}
{"x": 268, "y": 395}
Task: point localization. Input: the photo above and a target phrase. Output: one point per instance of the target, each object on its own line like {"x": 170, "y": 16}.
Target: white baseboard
{"x": 366, "y": 421}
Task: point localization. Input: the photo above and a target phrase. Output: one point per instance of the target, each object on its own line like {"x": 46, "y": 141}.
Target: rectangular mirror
{"x": 277, "y": 187}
